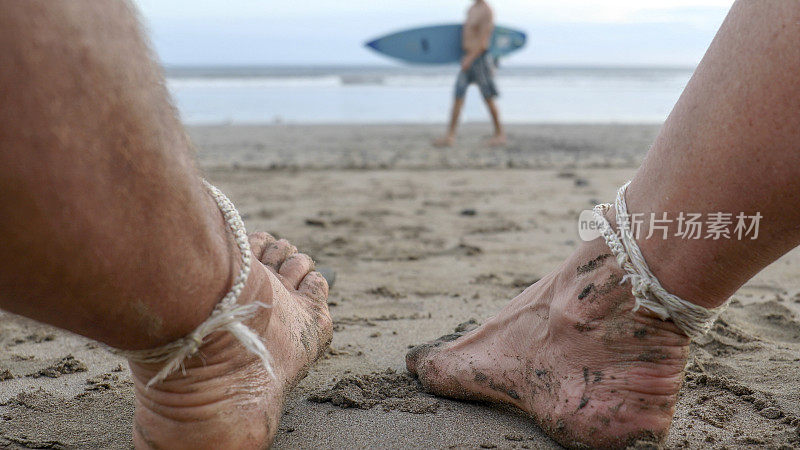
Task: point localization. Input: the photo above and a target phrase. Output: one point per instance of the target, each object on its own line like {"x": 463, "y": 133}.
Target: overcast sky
{"x": 563, "y": 32}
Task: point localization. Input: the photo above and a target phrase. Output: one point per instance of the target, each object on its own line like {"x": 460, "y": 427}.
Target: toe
{"x": 276, "y": 253}
{"x": 259, "y": 241}
{"x": 420, "y": 353}
{"x": 314, "y": 287}
{"x": 315, "y": 290}
{"x": 295, "y": 268}
{"x": 414, "y": 356}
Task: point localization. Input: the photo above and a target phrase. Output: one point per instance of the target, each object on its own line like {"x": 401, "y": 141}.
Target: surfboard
{"x": 441, "y": 44}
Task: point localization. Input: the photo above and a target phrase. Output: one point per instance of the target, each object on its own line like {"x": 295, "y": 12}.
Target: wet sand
{"x": 423, "y": 240}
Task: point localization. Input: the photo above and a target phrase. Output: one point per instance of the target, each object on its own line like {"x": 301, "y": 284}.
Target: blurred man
{"x": 477, "y": 66}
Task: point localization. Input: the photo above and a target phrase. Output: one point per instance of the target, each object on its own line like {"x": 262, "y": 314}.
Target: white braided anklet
{"x": 692, "y": 319}
{"x": 227, "y": 315}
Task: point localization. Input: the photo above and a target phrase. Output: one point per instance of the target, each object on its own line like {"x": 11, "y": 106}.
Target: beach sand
{"x": 422, "y": 240}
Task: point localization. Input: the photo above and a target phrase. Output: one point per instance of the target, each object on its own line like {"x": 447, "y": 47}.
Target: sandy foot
{"x": 226, "y": 399}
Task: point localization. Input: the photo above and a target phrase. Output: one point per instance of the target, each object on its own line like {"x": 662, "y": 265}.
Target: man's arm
{"x": 478, "y": 38}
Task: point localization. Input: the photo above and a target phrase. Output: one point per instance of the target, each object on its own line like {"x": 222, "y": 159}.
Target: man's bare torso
{"x": 478, "y": 27}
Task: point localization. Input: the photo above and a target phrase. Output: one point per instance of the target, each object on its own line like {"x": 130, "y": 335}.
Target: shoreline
{"x": 398, "y": 146}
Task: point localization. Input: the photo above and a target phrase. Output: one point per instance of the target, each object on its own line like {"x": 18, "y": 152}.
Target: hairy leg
{"x": 100, "y": 197}
{"x": 109, "y": 233}
{"x": 569, "y": 350}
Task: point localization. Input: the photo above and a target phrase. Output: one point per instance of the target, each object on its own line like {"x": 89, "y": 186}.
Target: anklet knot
{"x": 647, "y": 291}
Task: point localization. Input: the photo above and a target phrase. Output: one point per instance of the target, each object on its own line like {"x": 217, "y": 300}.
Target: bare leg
{"x": 569, "y": 350}
{"x": 499, "y": 138}
{"x": 450, "y": 138}
{"x": 108, "y": 232}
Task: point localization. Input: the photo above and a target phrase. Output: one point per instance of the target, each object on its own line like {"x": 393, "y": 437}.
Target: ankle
{"x": 221, "y": 350}
{"x": 681, "y": 267}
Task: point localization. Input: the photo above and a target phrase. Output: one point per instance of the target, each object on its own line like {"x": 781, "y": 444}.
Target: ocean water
{"x": 308, "y": 95}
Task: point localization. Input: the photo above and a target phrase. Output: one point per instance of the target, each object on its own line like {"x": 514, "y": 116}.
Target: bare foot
{"x": 498, "y": 140}
{"x": 570, "y": 352}
{"x": 444, "y": 141}
{"x": 226, "y": 399}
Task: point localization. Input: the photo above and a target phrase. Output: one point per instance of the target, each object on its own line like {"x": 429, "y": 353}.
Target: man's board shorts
{"x": 481, "y": 73}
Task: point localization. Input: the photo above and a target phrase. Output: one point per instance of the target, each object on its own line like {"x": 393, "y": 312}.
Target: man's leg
{"x": 450, "y": 138}
{"x": 484, "y": 70}
{"x": 499, "y": 138}
{"x": 569, "y": 350}
{"x": 109, "y": 233}
{"x": 462, "y": 83}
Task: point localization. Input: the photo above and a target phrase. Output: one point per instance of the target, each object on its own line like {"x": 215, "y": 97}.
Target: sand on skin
{"x": 422, "y": 240}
